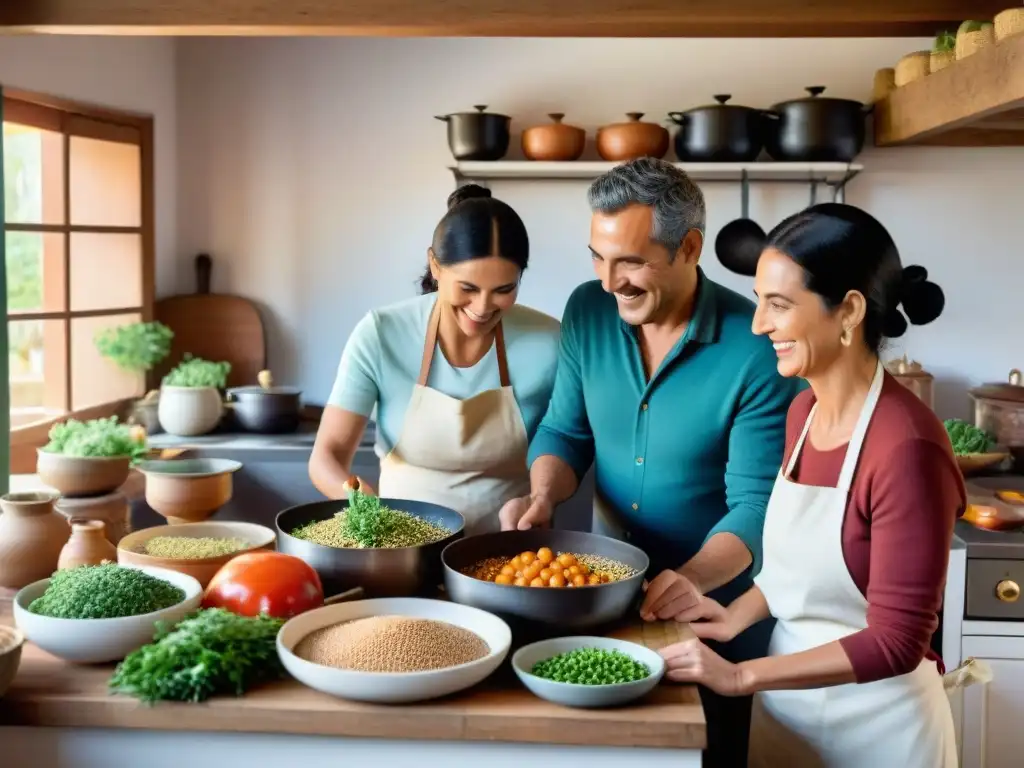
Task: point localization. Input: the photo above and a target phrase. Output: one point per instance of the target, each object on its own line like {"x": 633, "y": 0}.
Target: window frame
{"x": 72, "y": 118}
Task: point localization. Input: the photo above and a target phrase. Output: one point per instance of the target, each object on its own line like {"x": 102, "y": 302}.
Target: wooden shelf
{"x": 829, "y": 173}
{"x": 974, "y": 102}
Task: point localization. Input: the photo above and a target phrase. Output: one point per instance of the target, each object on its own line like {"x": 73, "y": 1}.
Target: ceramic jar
{"x": 88, "y": 545}
{"x": 32, "y": 535}
{"x": 628, "y": 141}
{"x": 190, "y": 411}
{"x": 554, "y": 142}
{"x": 113, "y": 510}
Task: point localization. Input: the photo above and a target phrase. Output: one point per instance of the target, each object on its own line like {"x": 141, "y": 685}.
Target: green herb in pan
{"x": 369, "y": 524}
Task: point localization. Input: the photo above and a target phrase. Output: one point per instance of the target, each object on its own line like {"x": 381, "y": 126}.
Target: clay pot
{"x": 627, "y": 141}
{"x": 76, "y": 476}
{"x": 188, "y": 490}
{"x": 555, "y": 142}
{"x": 32, "y": 535}
{"x": 88, "y": 545}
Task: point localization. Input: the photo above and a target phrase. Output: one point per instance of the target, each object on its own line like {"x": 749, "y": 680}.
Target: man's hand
{"x": 526, "y": 512}
{"x": 693, "y": 662}
{"x": 669, "y": 595}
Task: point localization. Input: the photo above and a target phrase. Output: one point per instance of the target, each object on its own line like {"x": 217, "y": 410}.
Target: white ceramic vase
{"x": 190, "y": 411}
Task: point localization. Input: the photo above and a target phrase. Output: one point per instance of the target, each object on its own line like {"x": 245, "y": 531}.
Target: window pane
{"x": 35, "y": 271}
{"x": 95, "y": 379}
{"x": 37, "y": 357}
{"x": 106, "y": 183}
{"x": 33, "y": 175}
{"x": 106, "y": 271}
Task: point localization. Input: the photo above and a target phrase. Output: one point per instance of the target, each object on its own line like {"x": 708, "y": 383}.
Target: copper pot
{"x": 999, "y": 409}
{"x": 628, "y": 141}
{"x": 554, "y": 142}
{"x": 911, "y": 375}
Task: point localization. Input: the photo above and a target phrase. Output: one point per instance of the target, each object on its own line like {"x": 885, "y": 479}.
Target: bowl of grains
{"x": 389, "y": 547}
{"x": 100, "y": 613}
{"x": 196, "y": 549}
{"x": 588, "y": 671}
{"x": 554, "y": 579}
{"x": 393, "y": 650}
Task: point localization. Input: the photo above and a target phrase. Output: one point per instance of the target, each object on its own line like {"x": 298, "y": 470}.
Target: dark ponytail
{"x": 467, "y": 231}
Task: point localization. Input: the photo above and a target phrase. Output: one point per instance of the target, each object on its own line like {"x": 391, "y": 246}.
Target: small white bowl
{"x": 574, "y": 694}
{"x": 394, "y": 687}
{"x": 95, "y": 641}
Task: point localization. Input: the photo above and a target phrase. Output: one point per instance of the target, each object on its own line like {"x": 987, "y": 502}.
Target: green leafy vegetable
{"x": 973, "y": 26}
{"x": 135, "y": 347}
{"x": 196, "y": 372}
{"x": 104, "y": 438}
{"x": 591, "y": 666}
{"x": 945, "y": 42}
{"x": 967, "y": 438}
{"x": 107, "y": 591}
{"x": 367, "y": 520}
{"x": 211, "y": 652}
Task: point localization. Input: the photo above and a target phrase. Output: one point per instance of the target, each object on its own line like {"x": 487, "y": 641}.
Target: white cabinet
{"x": 993, "y": 714}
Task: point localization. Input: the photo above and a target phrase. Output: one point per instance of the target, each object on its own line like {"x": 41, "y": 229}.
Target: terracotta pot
{"x": 32, "y": 535}
{"x": 188, "y": 490}
{"x": 628, "y": 141}
{"x": 112, "y": 510}
{"x": 88, "y": 545}
{"x": 82, "y": 475}
{"x": 555, "y": 142}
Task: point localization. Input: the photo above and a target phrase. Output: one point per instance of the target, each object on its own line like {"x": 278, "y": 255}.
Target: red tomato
{"x": 273, "y": 583}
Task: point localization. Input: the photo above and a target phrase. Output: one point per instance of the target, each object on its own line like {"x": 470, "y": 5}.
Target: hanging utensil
{"x": 740, "y": 242}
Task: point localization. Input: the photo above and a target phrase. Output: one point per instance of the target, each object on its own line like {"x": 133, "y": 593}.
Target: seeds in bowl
{"x": 392, "y": 644}
{"x": 106, "y": 591}
{"x": 369, "y": 524}
{"x": 192, "y": 547}
{"x": 545, "y": 568}
{"x": 591, "y": 666}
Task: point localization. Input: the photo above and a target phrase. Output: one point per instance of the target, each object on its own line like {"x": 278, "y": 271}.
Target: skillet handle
{"x": 356, "y": 593}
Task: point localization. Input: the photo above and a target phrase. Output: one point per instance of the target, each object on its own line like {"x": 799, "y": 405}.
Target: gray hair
{"x": 678, "y": 203}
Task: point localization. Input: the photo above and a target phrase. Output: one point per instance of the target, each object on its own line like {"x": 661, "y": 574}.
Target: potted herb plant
{"x": 138, "y": 348}
{"x": 190, "y": 396}
{"x": 90, "y": 458}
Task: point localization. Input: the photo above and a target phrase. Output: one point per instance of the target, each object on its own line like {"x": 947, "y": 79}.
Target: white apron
{"x": 467, "y": 455}
{"x": 901, "y": 722}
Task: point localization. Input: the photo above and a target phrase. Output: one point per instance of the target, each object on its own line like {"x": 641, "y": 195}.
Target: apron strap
{"x": 859, "y": 431}
{"x": 430, "y": 344}
{"x": 795, "y": 456}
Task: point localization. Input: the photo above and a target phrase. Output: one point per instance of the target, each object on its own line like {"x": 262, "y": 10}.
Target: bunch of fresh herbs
{"x": 100, "y": 438}
{"x": 135, "y": 347}
{"x": 196, "y": 372}
{"x": 967, "y": 438}
{"x": 107, "y": 591}
{"x": 211, "y": 652}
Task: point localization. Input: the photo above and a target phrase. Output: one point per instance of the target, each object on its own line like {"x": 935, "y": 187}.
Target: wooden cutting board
{"x": 654, "y": 634}
{"x": 214, "y": 327}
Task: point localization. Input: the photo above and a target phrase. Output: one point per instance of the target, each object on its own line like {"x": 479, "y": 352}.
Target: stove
{"x": 995, "y": 559}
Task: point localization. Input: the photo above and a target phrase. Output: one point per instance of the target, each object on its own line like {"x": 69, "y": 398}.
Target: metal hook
{"x": 814, "y": 191}
{"x": 744, "y": 195}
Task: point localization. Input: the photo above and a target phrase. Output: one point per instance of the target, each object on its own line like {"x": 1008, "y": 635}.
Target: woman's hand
{"x": 356, "y": 483}
{"x": 669, "y": 595}
{"x": 693, "y": 662}
{"x": 710, "y": 621}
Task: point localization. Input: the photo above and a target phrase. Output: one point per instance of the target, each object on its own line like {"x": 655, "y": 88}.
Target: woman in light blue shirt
{"x": 460, "y": 376}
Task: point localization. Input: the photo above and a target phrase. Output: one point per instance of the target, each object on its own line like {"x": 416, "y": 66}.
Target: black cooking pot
{"x": 719, "y": 133}
{"x": 816, "y": 129}
{"x": 268, "y": 410}
{"x": 477, "y": 135}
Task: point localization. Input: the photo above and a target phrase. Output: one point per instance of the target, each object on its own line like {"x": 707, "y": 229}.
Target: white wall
{"x": 134, "y": 74}
{"x": 313, "y": 172}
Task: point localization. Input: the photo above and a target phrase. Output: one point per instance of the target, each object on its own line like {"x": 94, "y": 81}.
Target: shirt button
{"x": 635, "y": 505}
{"x": 643, "y": 406}
{"x": 639, "y": 459}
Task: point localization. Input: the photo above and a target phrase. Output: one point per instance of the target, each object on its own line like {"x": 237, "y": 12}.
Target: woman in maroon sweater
{"x": 858, "y": 529}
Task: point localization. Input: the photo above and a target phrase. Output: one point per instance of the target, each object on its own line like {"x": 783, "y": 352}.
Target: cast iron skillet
{"x": 577, "y": 608}
{"x": 380, "y": 572}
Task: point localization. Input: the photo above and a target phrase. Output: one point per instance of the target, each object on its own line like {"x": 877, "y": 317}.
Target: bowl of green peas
{"x": 588, "y": 671}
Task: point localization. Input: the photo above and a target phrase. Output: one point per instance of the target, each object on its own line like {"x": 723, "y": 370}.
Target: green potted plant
{"x": 89, "y": 458}
{"x": 138, "y": 348}
{"x": 943, "y": 50}
{"x": 191, "y": 402}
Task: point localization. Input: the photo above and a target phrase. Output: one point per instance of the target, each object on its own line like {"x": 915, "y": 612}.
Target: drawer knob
{"x": 1008, "y": 591}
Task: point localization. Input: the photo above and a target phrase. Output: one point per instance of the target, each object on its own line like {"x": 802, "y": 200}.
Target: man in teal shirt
{"x": 662, "y": 386}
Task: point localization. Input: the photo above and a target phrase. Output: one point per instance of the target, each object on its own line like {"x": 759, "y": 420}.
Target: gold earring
{"x": 846, "y": 337}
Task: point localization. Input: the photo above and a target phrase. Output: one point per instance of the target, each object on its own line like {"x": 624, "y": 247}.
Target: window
{"x": 78, "y": 239}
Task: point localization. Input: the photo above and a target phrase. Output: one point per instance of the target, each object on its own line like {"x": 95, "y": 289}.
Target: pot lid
{"x": 257, "y": 390}
{"x": 721, "y": 98}
{"x": 815, "y": 97}
{"x": 907, "y": 368}
{"x": 481, "y": 110}
{"x": 1011, "y": 391}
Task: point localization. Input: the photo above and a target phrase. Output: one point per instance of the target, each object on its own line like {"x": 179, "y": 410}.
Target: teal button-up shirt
{"x": 694, "y": 451}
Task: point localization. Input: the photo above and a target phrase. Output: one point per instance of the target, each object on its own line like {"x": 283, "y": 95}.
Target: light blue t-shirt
{"x": 381, "y": 363}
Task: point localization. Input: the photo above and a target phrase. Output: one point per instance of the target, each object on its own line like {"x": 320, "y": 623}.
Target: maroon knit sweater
{"x": 906, "y": 496}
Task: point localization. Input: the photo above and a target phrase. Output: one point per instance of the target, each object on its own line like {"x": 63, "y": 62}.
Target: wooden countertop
{"x": 50, "y": 692}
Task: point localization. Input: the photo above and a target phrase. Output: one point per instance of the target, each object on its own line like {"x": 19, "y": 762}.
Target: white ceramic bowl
{"x": 576, "y": 695}
{"x": 94, "y": 641}
{"x": 394, "y": 687}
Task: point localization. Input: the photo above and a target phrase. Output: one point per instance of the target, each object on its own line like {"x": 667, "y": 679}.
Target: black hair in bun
{"x": 475, "y": 226}
{"x": 841, "y": 249}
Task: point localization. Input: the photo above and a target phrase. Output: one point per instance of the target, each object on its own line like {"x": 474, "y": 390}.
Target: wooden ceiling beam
{"x": 495, "y": 18}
